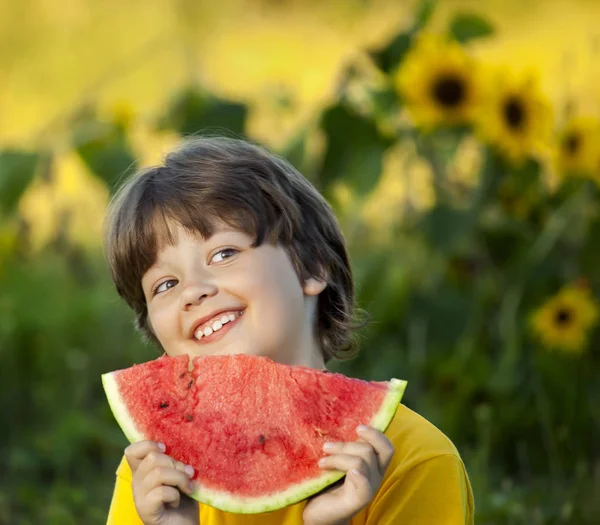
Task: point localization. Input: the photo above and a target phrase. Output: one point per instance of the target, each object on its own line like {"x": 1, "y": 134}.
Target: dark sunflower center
{"x": 563, "y": 316}
{"x": 514, "y": 113}
{"x": 449, "y": 91}
{"x": 572, "y": 143}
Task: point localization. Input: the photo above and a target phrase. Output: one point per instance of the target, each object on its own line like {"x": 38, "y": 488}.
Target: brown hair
{"x": 241, "y": 184}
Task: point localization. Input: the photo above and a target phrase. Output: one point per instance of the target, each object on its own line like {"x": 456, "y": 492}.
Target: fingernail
{"x": 356, "y": 472}
{"x": 328, "y": 446}
{"x": 161, "y": 446}
{"x": 189, "y": 470}
{"x": 322, "y": 461}
{"x": 362, "y": 428}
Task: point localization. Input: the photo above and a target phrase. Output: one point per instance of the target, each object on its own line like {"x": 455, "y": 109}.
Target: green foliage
{"x": 104, "y": 148}
{"x": 390, "y": 56}
{"x": 469, "y": 26}
{"x": 17, "y": 169}
{"x": 424, "y": 13}
{"x": 194, "y": 111}
{"x": 295, "y": 151}
{"x": 355, "y": 149}
{"x": 60, "y": 324}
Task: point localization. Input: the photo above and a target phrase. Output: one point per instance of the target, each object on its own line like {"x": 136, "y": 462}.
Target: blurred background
{"x": 459, "y": 142}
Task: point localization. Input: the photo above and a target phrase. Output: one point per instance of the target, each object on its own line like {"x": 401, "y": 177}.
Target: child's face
{"x": 253, "y": 293}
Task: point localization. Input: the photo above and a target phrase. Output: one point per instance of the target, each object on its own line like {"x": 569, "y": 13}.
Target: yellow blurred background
{"x": 131, "y": 56}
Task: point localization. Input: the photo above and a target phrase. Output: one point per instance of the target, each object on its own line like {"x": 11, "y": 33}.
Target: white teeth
{"x": 217, "y": 325}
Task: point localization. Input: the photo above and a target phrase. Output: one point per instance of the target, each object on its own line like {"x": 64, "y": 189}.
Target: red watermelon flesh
{"x": 252, "y": 429}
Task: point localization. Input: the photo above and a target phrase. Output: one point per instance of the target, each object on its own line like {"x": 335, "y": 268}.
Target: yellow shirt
{"x": 425, "y": 484}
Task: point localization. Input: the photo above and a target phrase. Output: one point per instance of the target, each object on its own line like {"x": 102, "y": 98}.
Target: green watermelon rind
{"x": 254, "y": 505}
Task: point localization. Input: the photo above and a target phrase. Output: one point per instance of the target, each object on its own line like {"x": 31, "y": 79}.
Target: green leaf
{"x": 354, "y": 150}
{"x": 386, "y": 102}
{"x": 17, "y": 169}
{"x": 193, "y": 111}
{"x": 105, "y": 150}
{"x": 424, "y": 13}
{"x": 468, "y": 26}
{"x": 389, "y": 56}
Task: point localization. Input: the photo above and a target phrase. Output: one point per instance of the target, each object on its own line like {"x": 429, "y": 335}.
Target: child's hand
{"x": 365, "y": 462}
{"x": 156, "y": 484}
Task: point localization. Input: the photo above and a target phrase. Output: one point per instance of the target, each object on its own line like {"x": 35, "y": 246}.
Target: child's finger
{"x": 165, "y": 476}
{"x": 159, "y": 460}
{"x": 380, "y": 443}
{"x": 346, "y": 463}
{"x": 359, "y": 449}
{"x": 164, "y": 495}
{"x": 136, "y": 452}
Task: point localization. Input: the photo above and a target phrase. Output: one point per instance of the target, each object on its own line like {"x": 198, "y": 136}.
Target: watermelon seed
{"x": 164, "y": 404}
{"x": 190, "y": 384}
{"x": 188, "y": 417}
{"x": 261, "y": 439}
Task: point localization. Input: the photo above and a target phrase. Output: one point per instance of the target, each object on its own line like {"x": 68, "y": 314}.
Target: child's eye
{"x": 164, "y": 286}
{"x": 222, "y": 254}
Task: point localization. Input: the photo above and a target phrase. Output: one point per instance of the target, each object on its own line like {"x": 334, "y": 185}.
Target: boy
{"x": 226, "y": 229}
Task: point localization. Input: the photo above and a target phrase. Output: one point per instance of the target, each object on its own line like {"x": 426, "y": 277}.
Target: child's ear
{"x": 314, "y": 286}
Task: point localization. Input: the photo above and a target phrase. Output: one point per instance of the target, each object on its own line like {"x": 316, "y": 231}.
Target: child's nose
{"x": 195, "y": 293}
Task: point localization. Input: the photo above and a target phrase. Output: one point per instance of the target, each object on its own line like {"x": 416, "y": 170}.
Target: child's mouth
{"x": 218, "y": 328}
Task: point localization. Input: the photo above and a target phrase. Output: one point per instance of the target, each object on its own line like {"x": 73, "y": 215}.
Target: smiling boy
{"x": 225, "y": 249}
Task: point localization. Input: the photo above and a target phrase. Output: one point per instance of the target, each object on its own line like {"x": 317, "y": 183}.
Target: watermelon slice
{"x": 252, "y": 429}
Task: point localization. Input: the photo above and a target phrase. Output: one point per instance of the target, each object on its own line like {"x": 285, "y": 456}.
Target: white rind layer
{"x": 119, "y": 409}
{"x": 225, "y": 501}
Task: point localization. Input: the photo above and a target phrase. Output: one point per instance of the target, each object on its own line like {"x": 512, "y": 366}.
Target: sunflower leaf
{"x": 389, "y": 57}
{"x": 468, "y": 26}
{"x": 17, "y": 169}
{"x": 386, "y": 101}
{"x": 354, "y": 150}
{"x": 193, "y": 110}
{"x": 424, "y": 13}
{"x": 105, "y": 150}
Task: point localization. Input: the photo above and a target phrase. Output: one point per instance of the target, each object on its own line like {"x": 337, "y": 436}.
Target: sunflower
{"x": 578, "y": 146}
{"x": 565, "y": 320}
{"x": 438, "y": 81}
{"x": 516, "y": 117}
